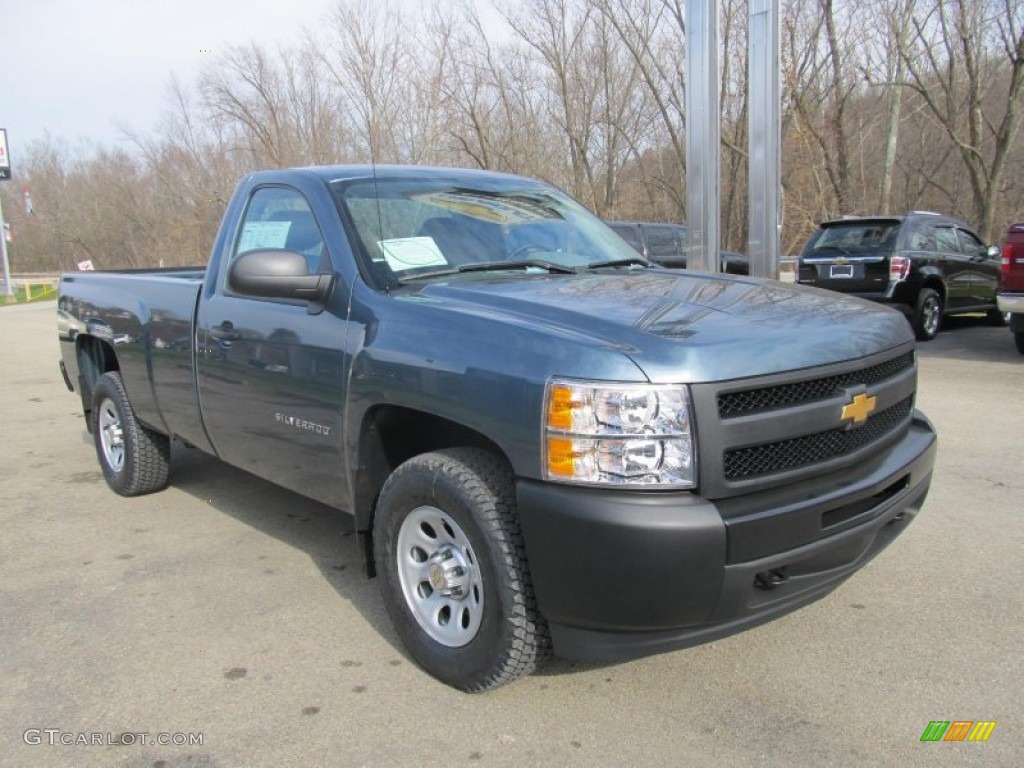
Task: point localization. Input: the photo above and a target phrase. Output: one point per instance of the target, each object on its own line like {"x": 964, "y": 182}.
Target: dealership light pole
{"x": 5, "y": 174}
{"x": 764, "y": 132}
{"x": 703, "y": 154}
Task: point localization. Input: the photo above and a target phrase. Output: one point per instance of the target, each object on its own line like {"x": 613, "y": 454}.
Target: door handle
{"x": 225, "y": 332}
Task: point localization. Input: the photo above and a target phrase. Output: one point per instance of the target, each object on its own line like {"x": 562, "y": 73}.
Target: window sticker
{"x": 263, "y": 234}
{"x": 404, "y": 253}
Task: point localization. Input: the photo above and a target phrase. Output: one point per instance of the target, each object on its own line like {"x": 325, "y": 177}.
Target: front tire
{"x": 134, "y": 459}
{"x": 927, "y": 314}
{"x": 453, "y": 570}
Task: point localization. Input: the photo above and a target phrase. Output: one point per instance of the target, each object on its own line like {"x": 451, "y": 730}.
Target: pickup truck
{"x": 666, "y": 244}
{"x": 547, "y": 443}
{"x": 1011, "y": 282}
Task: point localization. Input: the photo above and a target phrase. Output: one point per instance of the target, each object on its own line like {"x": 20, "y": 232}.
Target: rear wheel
{"x": 453, "y": 570}
{"x": 134, "y": 459}
{"x": 1019, "y": 340}
{"x": 927, "y": 314}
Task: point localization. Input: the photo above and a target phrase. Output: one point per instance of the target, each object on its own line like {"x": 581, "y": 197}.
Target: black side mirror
{"x": 276, "y": 273}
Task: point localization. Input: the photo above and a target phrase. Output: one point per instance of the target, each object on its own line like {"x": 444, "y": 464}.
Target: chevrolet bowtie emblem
{"x": 858, "y": 409}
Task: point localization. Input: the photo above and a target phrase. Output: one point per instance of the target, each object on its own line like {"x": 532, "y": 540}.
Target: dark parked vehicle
{"x": 1011, "y": 282}
{"x": 544, "y": 440}
{"x": 666, "y": 244}
{"x": 924, "y": 264}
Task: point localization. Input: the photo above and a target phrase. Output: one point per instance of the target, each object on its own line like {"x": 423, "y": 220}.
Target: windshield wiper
{"x": 488, "y": 266}
{"x": 633, "y": 261}
{"x": 493, "y": 266}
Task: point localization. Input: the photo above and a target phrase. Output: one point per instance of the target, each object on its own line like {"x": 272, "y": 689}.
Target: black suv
{"x": 922, "y": 263}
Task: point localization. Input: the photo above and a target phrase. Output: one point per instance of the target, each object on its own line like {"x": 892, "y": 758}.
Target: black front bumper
{"x": 622, "y": 574}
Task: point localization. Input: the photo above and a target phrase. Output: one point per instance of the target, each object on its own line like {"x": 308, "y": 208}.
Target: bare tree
{"x": 897, "y": 20}
{"x": 822, "y": 81}
{"x": 653, "y": 32}
{"x": 960, "y": 55}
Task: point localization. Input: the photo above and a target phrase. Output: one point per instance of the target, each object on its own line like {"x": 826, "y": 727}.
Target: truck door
{"x": 270, "y": 375}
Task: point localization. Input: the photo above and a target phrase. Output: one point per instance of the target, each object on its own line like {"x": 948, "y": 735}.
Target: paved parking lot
{"x": 228, "y": 608}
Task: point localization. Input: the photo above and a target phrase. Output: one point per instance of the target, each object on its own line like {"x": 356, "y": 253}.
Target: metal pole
{"x": 3, "y": 249}
{"x": 703, "y": 166}
{"x": 764, "y": 129}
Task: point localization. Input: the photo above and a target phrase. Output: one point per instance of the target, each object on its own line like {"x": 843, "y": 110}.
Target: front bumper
{"x": 622, "y": 574}
{"x": 1010, "y": 302}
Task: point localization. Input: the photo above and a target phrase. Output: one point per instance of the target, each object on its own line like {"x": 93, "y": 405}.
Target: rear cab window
{"x": 664, "y": 241}
{"x": 630, "y": 233}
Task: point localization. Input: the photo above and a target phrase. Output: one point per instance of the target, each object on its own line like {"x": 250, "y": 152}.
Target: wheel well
{"x": 95, "y": 358}
{"x": 391, "y": 435}
{"x": 938, "y": 286}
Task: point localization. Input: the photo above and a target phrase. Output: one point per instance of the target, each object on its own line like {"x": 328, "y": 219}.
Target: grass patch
{"x": 26, "y": 294}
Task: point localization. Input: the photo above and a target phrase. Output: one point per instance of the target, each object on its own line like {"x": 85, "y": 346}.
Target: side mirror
{"x": 995, "y": 252}
{"x": 276, "y": 273}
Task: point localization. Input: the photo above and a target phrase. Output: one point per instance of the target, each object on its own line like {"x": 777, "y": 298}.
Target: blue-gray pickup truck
{"x": 547, "y": 443}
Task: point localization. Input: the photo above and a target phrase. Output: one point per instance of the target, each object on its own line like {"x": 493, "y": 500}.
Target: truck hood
{"x": 686, "y": 328}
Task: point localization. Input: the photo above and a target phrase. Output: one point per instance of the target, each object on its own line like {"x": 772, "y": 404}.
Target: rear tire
{"x": 927, "y": 314}
{"x": 134, "y": 459}
{"x": 1018, "y": 339}
{"x": 453, "y": 572}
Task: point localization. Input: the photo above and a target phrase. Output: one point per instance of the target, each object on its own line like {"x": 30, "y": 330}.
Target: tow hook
{"x": 771, "y": 579}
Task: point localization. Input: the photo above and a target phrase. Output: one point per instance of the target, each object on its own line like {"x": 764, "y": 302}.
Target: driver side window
{"x": 280, "y": 217}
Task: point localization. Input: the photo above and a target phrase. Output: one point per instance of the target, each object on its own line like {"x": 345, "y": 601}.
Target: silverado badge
{"x": 859, "y": 408}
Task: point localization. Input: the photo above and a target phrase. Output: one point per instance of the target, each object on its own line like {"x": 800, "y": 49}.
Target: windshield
{"x": 856, "y": 237}
{"x": 416, "y": 228}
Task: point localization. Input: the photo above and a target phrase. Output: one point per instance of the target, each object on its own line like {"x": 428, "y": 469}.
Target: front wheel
{"x": 134, "y": 459}
{"x": 453, "y": 569}
{"x": 927, "y": 314}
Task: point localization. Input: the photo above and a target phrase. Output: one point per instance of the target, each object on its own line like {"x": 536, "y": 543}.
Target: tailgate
{"x": 849, "y": 274}
{"x": 850, "y": 255}
{"x": 1011, "y": 275}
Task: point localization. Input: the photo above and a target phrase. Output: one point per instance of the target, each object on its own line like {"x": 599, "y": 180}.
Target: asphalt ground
{"x": 229, "y": 609}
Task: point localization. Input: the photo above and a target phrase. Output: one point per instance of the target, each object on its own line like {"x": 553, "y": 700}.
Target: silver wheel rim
{"x": 111, "y": 435}
{"x": 440, "y": 577}
{"x": 931, "y": 315}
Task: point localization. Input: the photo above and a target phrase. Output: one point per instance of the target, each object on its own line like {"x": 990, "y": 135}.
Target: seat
{"x": 303, "y": 237}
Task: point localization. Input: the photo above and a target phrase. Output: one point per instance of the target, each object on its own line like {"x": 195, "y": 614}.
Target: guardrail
{"x": 30, "y": 286}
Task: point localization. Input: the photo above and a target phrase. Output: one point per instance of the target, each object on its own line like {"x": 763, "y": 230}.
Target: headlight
{"x": 618, "y": 434}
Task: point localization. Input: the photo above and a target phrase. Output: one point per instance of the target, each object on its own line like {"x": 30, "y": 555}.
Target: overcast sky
{"x": 77, "y": 68}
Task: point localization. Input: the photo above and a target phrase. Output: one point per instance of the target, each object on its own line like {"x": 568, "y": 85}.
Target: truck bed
{"x": 147, "y": 314}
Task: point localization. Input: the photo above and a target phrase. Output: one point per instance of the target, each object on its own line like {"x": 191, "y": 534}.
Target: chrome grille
{"x": 732, "y": 404}
{"x": 743, "y": 463}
